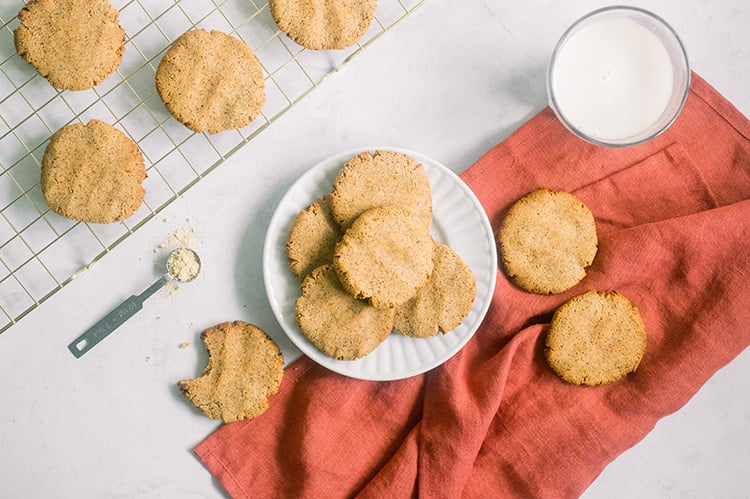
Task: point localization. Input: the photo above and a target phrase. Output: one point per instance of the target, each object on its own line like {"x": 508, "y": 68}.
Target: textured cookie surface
{"x": 312, "y": 238}
{"x": 385, "y": 256}
{"x": 210, "y": 81}
{"x": 92, "y": 173}
{"x": 595, "y": 338}
{"x": 245, "y": 367}
{"x": 547, "y": 239}
{"x": 338, "y": 324}
{"x": 441, "y": 304}
{"x": 323, "y": 24}
{"x": 384, "y": 178}
{"x": 74, "y": 44}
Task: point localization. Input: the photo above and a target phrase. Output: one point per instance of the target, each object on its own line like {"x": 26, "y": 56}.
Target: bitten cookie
{"x": 547, "y": 239}
{"x": 338, "y": 324}
{"x": 312, "y": 238}
{"x": 384, "y": 178}
{"x": 210, "y": 81}
{"x": 323, "y": 24}
{"x": 595, "y": 338}
{"x": 92, "y": 173}
{"x": 74, "y": 44}
{"x": 441, "y": 304}
{"x": 245, "y": 367}
{"x": 385, "y": 256}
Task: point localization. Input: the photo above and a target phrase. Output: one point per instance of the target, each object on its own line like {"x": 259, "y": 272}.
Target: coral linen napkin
{"x": 494, "y": 421}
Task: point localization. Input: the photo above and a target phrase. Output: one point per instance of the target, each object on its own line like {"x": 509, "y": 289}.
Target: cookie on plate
{"x": 323, "y": 24}
{"x": 92, "y": 173}
{"x": 74, "y": 44}
{"x": 210, "y": 81}
{"x": 441, "y": 304}
{"x": 383, "y": 178}
{"x": 595, "y": 339}
{"x": 338, "y": 324}
{"x": 245, "y": 366}
{"x": 312, "y": 238}
{"x": 547, "y": 240}
{"x": 385, "y": 256}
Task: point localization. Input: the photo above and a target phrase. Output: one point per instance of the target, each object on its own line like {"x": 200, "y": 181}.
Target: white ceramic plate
{"x": 458, "y": 221}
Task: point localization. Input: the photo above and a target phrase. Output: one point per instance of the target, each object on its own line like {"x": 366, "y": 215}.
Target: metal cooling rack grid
{"x": 41, "y": 252}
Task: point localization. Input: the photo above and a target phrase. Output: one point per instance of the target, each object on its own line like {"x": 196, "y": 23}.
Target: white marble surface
{"x": 451, "y": 81}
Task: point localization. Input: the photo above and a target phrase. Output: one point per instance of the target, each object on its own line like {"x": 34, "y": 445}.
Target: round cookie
{"x": 547, "y": 239}
{"x": 338, "y": 324}
{"x": 312, "y": 238}
{"x": 74, "y": 44}
{"x": 595, "y": 338}
{"x": 444, "y": 300}
{"x": 92, "y": 173}
{"x": 245, "y": 366}
{"x": 385, "y": 178}
{"x": 323, "y": 24}
{"x": 210, "y": 81}
{"x": 385, "y": 256}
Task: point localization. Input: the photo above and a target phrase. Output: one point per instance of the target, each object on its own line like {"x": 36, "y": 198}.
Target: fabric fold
{"x": 673, "y": 217}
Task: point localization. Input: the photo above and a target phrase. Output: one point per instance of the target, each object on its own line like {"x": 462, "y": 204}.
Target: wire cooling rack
{"x": 40, "y": 251}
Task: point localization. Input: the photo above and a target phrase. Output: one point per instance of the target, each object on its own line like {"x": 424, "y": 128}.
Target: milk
{"x": 613, "y": 79}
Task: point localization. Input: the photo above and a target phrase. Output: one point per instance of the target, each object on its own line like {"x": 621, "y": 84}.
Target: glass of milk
{"x": 619, "y": 76}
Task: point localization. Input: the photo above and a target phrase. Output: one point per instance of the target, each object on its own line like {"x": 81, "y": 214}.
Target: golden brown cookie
{"x": 245, "y": 367}
{"x": 385, "y": 256}
{"x": 210, "y": 81}
{"x": 384, "y": 178}
{"x": 338, "y": 324}
{"x": 595, "y": 338}
{"x": 312, "y": 238}
{"x": 441, "y": 304}
{"x": 547, "y": 239}
{"x": 74, "y": 44}
{"x": 323, "y": 24}
{"x": 92, "y": 173}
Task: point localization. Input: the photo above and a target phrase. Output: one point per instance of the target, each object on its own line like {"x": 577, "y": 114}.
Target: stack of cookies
{"x": 368, "y": 264}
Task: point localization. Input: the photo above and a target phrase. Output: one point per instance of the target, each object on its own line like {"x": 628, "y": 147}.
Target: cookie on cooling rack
{"x": 74, "y": 44}
{"x": 92, "y": 173}
{"x": 338, "y": 324}
{"x": 211, "y": 81}
{"x": 595, "y": 339}
{"x": 322, "y": 24}
{"x": 384, "y": 178}
{"x": 245, "y": 366}
{"x": 547, "y": 240}
{"x": 444, "y": 300}
{"x": 312, "y": 238}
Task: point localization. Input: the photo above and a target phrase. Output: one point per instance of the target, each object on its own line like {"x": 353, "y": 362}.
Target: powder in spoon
{"x": 183, "y": 264}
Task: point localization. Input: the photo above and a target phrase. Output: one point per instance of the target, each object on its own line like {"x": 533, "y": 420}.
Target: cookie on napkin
{"x": 547, "y": 239}
{"x": 595, "y": 339}
{"x": 210, "y": 81}
{"x": 92, "y": 173}
{"x": 245, "y": 366}
{"x": 74, "y": 44}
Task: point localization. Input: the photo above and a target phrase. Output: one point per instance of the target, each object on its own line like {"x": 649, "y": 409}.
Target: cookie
{"x": 323, "y": 24}
{"x": 595, "y": 339}
{"x": 210, "y": 81}
{"x": 338, "y": 324}
{"x": 92, "y": 173}
{"x": 385, "y": 178}
{"x": 245, "y": 366}
{"x": 547, "y": 240}
{"x": 312, "y": 238}
{"x": 385, "y": 256}
{"x": 441, "y": 304}
{"x": 74, "y": 44}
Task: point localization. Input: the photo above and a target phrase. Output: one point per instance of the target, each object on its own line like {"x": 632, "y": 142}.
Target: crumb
{"x": 184, "y": 344}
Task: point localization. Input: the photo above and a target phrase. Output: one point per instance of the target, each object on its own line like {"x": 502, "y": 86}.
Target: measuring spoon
{"x": 183, "y": 265}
